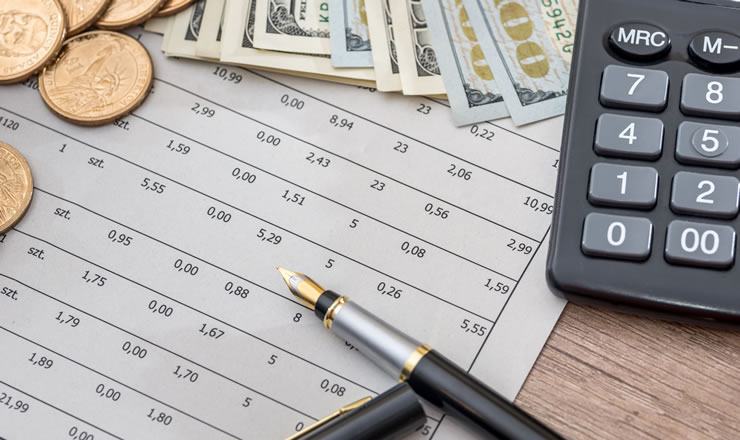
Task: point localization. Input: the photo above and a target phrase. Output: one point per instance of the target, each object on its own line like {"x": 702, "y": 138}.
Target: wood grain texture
{"x": 606, "y": 375}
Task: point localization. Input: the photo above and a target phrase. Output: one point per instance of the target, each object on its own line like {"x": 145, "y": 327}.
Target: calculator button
{"x": 623, "y": 185}
{"x": 617, "y": 236}
{"x": 715, "y": 49}
{"x": 711, "y": 96}
{"x": 640, "y": 41}
{"x": 628, "y": 136}
{"x": 700, "y": 244}
{"x": 633, "y": 88}
{"x": 708, "y": 144}
{"x": 703, "y": 194}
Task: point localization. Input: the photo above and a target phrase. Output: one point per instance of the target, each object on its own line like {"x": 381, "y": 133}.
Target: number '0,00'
{"x": 188, "y": 268}
{"x": 295, "y": 103}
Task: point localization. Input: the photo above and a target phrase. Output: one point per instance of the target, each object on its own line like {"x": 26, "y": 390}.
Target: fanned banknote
{"x": 182, "y": 35}
{"x": 471, "y": 88}
{"x": 292, "y": 26}
{"x": 382, "y": 40}
{"x": 416, "y": 57}
{"x": 157, "y": 25}
{"x": 350, "y": 40}
{"x": 528, "y": 44}
{"x": 237, "y": 47}
{"x": 211, "y": 30}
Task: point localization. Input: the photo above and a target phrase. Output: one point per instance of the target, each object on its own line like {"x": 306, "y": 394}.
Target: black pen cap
{"x": 392, "y": 415}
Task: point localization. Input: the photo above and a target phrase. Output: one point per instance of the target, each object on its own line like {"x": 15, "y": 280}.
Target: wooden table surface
{"x": 606, "y": 375}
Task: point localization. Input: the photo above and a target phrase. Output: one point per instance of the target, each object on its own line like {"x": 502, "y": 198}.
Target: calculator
{"x": 646, "y": 211}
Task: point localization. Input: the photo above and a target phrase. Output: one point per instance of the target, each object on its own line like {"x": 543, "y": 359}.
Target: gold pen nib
{"x": 302, "y": 286}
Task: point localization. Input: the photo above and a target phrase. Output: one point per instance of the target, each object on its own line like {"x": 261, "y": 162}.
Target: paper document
{"x": 139, "y": 297}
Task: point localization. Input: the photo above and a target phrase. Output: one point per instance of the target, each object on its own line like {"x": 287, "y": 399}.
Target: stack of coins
{"x": 91, "y": 78}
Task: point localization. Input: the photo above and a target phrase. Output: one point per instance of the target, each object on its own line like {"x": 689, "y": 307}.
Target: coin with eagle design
{"x": 16, "y": 187}
{"x": 31, "y": 34}
{"x": 126, "y": 13}
{"x": 99, "y": 76}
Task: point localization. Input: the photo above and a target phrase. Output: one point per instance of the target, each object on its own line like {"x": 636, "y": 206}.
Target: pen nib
{"x": 286, "y": 273}
{"x": 302, "y": 286}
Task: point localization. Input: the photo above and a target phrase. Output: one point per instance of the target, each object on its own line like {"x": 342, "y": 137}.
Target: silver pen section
{"x": 376, "y": 339}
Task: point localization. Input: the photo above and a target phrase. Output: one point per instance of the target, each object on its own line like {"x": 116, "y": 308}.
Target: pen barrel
{"x": 459, "y": 394}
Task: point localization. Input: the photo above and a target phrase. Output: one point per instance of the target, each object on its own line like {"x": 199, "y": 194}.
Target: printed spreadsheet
{"x": 139, "y": 297}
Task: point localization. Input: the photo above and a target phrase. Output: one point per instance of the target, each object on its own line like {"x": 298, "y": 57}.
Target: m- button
{"x": 716, "y": 49}
{"x": 640, "y": 41}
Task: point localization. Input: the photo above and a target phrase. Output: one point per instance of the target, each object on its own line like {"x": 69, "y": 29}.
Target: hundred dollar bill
{"x": 182, "y": 35}
{"x": 382, "y": 41}
{"x": 471, "y": 88}
{"x": 416, "y": 57}
{"x": 292, "y": 26}
{"x": 528, "y": 44}
{"x": 209, "y": 39}
{"x": 237, "y": 47}
{"x": 350, "y": 41}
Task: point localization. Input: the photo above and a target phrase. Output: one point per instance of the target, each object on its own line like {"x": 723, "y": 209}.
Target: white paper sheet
{"x": 139, "y": 297}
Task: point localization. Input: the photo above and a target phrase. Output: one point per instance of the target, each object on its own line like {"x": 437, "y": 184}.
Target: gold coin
{"x": 81, "y": 14}
{"x": 126, "y": 13}
{"x": 31, "y": 34}
{"x": 173, "y": 7}
{"x": 16, "y": 187}
{"x": 99, "y": 76}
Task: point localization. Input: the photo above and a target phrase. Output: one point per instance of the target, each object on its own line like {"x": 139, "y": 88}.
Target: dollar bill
{"x": 237, "y": 47}
{"x": 211, "y": 30}
{"x": 383, "y": 44}
{"x": 157, "y": 25}
{"x": 471, "y": 88}
{"x": 528, "y": 44}
{"x": 182, "y": 34}
{"x": 292, "y": 26}
{"x": 416, "y": 57}
{"x": 350, "y": 41}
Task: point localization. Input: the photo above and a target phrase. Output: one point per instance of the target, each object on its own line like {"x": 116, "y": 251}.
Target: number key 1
{"x": 623, "y": 186}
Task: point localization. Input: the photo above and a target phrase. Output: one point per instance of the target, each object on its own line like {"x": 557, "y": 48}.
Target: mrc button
{"x": 716, "y": 49}
{"x": 640, "y": 41}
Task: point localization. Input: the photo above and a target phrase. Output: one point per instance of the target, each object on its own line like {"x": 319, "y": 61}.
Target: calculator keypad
{"x": 711, "y": 96}
{"x": 708, "y": 144}
{"x": 636, "y": 187}
{"x": 705, "y": 195}
{"x": 616, "y": 236}
{"x": 634, "y": 88}
{"x": 623, "y": 185}
{"x": 629, "y": 136}
{"x": 700, "y": 244}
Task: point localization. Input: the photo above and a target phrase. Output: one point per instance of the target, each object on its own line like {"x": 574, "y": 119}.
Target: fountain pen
{"x": 431, "y": 375}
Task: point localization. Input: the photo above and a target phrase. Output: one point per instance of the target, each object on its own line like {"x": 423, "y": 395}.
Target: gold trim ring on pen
{"x": 333, "y": 310}
{"x": 413, "y": 361}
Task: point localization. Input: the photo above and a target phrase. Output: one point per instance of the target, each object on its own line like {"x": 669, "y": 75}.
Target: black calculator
{"x": 646, "y": 212}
